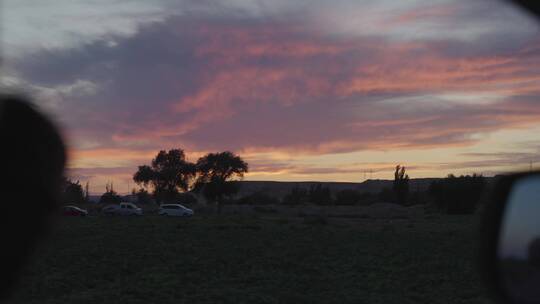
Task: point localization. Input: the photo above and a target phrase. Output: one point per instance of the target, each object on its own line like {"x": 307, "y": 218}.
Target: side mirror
{"x": 511, "y": 235}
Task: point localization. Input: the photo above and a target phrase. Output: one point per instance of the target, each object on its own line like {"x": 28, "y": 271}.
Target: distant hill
{"x": 279, "y": 189}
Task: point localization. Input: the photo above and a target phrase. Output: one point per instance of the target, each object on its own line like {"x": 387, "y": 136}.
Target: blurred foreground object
{"x": 532, "y": 7}
{"x": 32, "y": 157}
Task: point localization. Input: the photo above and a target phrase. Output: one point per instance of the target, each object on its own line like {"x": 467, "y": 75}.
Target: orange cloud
{"x": 261, "y": 87}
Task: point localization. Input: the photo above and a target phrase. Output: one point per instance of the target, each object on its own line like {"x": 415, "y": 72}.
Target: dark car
{"x": 73, "y": 211}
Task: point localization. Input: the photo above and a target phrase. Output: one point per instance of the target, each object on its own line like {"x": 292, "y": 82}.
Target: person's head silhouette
{"x": 32, "y": 159}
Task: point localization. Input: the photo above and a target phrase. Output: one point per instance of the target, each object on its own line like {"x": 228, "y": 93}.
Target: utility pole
{"x": 87, "y": 191}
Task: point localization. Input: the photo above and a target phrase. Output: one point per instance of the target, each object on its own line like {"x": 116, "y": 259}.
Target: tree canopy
{"x": 110, "y": 196}
{"x": 72, "y": 192}
{"x": 168, "y": 174}
{"x": 401, "y": 185}
{"x": 457, "y": 195}
{"x": 216, "y": 175}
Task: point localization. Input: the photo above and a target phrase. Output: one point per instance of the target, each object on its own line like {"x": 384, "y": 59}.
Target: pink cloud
{"x": 248, "y": 85}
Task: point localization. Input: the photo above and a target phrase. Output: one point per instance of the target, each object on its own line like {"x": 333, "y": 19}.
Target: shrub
{"x": 418, "y": 198}
{"x": 296, "y": 196}
{"x": 386, "y": 195}
{"x": 457, "y": 195}
{"x": 320, "y": 195}
{"x": 72, "y": 192}
{"x": 258, "y": 198}
{"x": 348, "y": 197}
{"x": 354, "y": 197}
{"x": 143, "y": 197}
{"x": 110, "y": 197}
{"x": 187, "y": 198}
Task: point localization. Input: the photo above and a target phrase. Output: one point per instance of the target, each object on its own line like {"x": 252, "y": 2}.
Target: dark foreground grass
{"x": 251, "y": 260}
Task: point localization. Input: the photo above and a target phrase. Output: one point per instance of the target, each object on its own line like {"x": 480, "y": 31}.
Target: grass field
{"x": 235, "y": 259}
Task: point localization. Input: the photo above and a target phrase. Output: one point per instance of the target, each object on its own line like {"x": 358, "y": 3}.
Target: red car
{"x": 74, "y": 211}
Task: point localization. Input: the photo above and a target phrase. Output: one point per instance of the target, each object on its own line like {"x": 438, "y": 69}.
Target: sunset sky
{"x": 302, "y": 90}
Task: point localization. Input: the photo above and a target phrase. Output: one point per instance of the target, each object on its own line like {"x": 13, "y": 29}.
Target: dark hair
{"x": 32, "y": 159}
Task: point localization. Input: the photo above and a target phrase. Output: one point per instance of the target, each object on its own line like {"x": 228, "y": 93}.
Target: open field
{"x": 256, "y": 259}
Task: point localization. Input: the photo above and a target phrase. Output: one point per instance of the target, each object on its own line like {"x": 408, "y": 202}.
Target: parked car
{"x": 73, "y": 211}
{"x": 175, "y": 210}
{"x": 129, "y": 209}
{"x": 110, "y": 210}
{"x": 122, "y": 209}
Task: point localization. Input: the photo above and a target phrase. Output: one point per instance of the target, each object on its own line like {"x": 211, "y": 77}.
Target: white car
{"x": 174, "y": 210}
{"x": 129, "y": 209}
{"x": 110, "y": 210}
{"x": 122, "y": 209}
{"x": 74, "y": 211}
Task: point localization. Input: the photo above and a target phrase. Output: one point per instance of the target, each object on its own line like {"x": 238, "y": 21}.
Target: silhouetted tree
{"x": 168, "y": 175}
{"x": 143, "y": 196}
{"x": 296, "y": 196}
{"x": 320, "y": 195}
{"x": 457, "y": 195}
{"x": 72, "y": 192}
{"x": 110, "y": 196}
{"x": 216, "y": 175}
{"x": 87, "y": 192}
{"x": 401, "y": 185}
{"x": 187, "y": 198}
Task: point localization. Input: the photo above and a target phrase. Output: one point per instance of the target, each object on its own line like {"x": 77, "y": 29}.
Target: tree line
{"x": 451, "y": 195}
{"x": 171, "y": 178}
{"x": 170, "y": 174}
